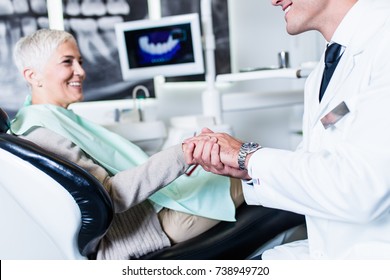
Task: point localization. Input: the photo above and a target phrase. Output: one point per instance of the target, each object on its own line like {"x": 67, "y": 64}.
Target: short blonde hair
{"x": 33, "y": 51}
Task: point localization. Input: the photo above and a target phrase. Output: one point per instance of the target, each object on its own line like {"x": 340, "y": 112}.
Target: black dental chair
{"x": 52, "y": 209}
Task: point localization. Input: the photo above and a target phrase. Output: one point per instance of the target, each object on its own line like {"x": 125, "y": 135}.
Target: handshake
{"x": 219, "y": 153}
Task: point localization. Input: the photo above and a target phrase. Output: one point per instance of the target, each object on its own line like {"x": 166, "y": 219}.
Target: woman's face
{"x": 63, "y": 76}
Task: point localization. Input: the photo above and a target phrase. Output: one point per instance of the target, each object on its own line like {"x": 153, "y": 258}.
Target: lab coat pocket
{"x": 335, "y": 115}
{"x": 336, "y": 123}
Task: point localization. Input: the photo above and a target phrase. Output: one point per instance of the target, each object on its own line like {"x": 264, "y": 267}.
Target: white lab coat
{"x": 339, "y": 177}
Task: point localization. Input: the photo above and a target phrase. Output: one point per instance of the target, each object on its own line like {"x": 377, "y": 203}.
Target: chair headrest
{"x": 4, "y": 121}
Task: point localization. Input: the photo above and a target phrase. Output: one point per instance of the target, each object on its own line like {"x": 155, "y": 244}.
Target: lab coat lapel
{"x": 334, "y": 93}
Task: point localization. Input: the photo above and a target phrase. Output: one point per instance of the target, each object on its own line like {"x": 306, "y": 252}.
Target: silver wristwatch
{"x": 246, "y": 149}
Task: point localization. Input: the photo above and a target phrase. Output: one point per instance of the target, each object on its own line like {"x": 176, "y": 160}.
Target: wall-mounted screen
{"x": 170, "y": 46}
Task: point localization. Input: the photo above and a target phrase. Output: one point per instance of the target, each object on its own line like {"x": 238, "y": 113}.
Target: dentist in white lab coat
{"x": 339, "y": 176}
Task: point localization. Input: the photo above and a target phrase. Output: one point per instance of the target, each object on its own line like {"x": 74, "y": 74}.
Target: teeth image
{"x": 38, "y": 6}
{"x": 73, "y": 8}
{"x": 93, "y": 7}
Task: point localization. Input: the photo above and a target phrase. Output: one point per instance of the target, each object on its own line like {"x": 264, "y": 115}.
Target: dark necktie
{"x": 332, "y": 57}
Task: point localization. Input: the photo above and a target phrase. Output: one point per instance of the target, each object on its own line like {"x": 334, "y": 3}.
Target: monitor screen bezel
{"x": 130, "y": 73}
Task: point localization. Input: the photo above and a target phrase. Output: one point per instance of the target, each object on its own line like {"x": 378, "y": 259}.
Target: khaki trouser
{"x": 180, "y": 226}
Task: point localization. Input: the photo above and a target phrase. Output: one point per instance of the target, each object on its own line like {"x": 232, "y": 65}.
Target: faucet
{"x": 137, "y": 107}
{"x": 134, "y": 114}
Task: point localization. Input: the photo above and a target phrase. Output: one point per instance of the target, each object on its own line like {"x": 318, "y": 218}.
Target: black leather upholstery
{"x": 94, "y": 203}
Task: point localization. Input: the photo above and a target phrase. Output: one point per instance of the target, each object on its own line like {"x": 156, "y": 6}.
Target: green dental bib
{"x": 196, "y": 194}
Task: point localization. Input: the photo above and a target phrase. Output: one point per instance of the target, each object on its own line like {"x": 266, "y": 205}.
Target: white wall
{"x": 258, "y": 33}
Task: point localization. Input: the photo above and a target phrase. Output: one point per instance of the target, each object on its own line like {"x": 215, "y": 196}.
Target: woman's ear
{"x": 31, "y": 76}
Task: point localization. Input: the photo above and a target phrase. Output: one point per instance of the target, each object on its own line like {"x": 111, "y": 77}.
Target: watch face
{"x": 245, "y": 145}
{"x": 250, "y": 146}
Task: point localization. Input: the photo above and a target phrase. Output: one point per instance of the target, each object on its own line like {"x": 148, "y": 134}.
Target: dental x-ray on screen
{"x": 170, "y": 46}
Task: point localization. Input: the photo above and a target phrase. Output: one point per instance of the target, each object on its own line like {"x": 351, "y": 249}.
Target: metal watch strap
{"x": 246, "y": 148}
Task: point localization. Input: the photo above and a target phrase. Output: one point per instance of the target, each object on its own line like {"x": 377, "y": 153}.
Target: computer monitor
{"x": 170, "y": 46}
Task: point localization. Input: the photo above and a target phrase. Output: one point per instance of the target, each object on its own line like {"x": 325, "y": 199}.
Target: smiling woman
{"x": 52, "y": 69}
